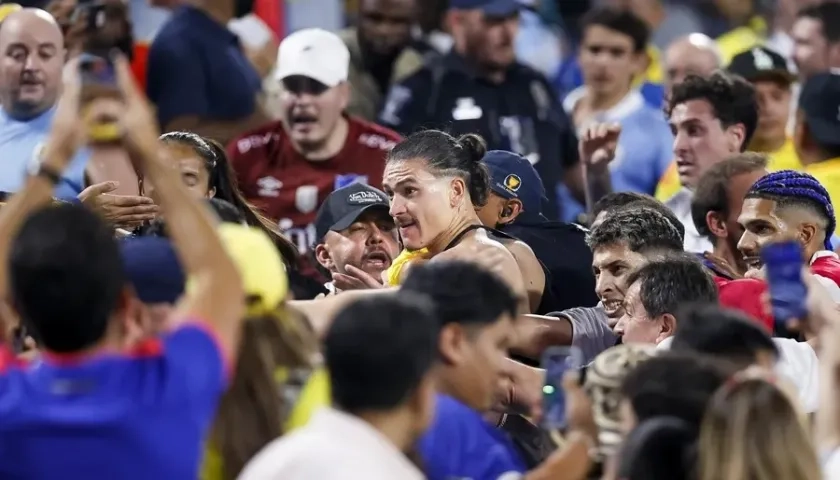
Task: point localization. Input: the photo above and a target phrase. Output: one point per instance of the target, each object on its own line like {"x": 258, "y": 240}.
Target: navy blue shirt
{"x": 197, "y": 68}
{"x": 461, "y": 445}
{"x": 138, "y": 416}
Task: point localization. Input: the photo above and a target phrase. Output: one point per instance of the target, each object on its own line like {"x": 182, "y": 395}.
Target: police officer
{"x": 513, "y": 207}
{"x": 480, "y": 88}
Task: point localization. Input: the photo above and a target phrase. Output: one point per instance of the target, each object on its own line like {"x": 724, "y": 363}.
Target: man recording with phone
{"x": 30, "y": 78}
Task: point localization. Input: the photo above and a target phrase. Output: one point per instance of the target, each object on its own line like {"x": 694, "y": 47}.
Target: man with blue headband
{"x": 790, "y": 204}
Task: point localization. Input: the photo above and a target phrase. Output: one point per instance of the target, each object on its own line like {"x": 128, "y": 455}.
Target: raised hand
{"x": 120, "y": 210}
{"x": 597, "y": 145}
{"x": 355, "y": 279}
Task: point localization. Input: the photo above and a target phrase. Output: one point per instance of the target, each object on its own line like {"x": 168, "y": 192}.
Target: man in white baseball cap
{"x": 312, "y": 66}
{"x": 314, "y": 53}
{"x": 288, "y": 167}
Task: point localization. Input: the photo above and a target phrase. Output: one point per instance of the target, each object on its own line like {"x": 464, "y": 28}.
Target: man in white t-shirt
{"x": 730, "y": 335}
{"x": 379, "y": 353}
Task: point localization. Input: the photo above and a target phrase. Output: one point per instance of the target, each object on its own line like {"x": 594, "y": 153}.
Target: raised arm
{"x": 215, "y": 294}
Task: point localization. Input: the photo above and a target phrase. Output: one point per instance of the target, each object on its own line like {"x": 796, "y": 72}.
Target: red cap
{"x": 745, "y": 294}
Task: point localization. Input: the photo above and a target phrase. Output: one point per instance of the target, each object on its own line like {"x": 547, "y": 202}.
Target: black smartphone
{"x": 97, "y": 70}
{"x": 557, "y": 361}
{"x": 783, "y": 264}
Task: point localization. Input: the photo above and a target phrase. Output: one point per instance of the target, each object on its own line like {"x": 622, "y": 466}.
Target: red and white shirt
{"x": 288, "y": 188}
{"x": 825, "y": 266}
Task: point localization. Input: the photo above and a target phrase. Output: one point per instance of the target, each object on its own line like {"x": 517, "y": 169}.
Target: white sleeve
{"x": 831, "y": 465}
{"x": 830, "y": 287}
{"x": 799, "y": 365}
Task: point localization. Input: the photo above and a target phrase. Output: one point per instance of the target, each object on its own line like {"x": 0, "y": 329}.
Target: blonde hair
{"x": 752, "y": 431}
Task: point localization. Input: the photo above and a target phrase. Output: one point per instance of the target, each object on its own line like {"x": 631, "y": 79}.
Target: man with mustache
{"x": 791, "y": 205}
{"x": 355, "y": 234}
{"x": 287, "y": 168}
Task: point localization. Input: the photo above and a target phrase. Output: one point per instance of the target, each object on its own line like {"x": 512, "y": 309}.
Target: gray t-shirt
{"x": 591, "y": 332}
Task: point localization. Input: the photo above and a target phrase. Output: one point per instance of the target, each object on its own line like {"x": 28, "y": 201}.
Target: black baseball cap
{"x": 760, "y": 63}
{"x": 819, "y": 100}
{"x": 345, "y": 205}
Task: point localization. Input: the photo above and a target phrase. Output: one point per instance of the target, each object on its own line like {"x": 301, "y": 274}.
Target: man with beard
{"x": 382, "y": 52}
{"x": 355, "y": 233}
{"x": 514, "y": 207}
{"x": 479, "y": 87}
{"x": 288, "y": 167}
{"x": 789, "y": 204}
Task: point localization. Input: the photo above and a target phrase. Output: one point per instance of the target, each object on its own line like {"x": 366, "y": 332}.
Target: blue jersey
{"x": 461, "y": 445}
{"x": 142, "y": 415}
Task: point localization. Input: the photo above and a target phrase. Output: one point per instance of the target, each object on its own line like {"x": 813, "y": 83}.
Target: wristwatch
{"x": 36, "y": 168}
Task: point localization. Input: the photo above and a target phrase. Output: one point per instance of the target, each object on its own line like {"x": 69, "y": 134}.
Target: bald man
{"x": 694, "y": 54}
{"x": 32, "y": 46}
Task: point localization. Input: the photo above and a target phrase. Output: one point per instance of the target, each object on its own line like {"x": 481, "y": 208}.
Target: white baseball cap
{"x": 315, "y": 53}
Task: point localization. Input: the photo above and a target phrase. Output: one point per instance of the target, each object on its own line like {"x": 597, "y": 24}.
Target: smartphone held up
{"x": 783, "y": 263}
{"x": 557, "y": 361}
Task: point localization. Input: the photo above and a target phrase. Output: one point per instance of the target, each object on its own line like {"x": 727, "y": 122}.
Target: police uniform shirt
{"x": 522, "y": 114}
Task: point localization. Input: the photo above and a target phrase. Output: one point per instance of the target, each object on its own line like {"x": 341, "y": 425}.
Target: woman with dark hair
{"x": 206, "y": 171}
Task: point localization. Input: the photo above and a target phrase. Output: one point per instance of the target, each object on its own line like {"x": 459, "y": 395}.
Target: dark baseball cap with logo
{"x": 760, "y": 63}
{"x": 513, "y": 176}
{"x": 819, "y": 101}
{"x": 345, "y": 205}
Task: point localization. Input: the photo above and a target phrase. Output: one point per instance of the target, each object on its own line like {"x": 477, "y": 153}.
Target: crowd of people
{"x": 356, "y": 254}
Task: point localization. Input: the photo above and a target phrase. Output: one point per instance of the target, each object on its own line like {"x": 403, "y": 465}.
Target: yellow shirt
{"x": 739, "y": 39}
{"x": 828, "y": 173}
{"x": 653, "y": 74}
{"x": 785, "y": 158}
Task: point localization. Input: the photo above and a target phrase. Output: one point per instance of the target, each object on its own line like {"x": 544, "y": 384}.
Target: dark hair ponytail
{"x": 223, "y": 180}
{"x": 474, "y": 149}
{"x": 446, "y": 155}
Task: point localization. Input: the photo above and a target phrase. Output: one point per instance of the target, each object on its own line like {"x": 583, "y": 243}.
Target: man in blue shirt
{"x": 30, "y": 81}
{"x": 611, "y": 54}
{"x": 476, "y": 310}
{"x": 199, "y": 77}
